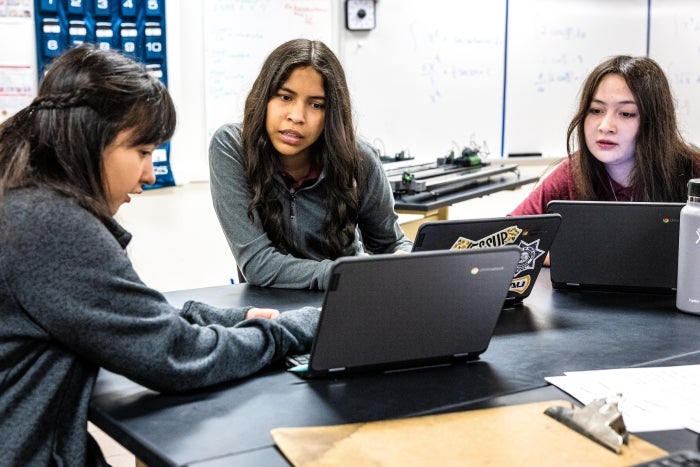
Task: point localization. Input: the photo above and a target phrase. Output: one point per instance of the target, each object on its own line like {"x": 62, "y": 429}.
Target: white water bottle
{"x": 688, "y": 285}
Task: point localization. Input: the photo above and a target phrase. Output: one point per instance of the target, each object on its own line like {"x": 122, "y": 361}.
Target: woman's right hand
{"x": 265, "y": 313}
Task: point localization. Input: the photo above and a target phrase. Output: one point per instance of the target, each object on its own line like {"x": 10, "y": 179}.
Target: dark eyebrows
{"x": 600, "y": 101}
{"x": 294, "y": 93}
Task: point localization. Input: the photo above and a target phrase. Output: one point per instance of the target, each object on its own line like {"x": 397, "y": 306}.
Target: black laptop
{"x": 618, "y": 246}
{"x": 387, "y": 312}
{"x": 532, "y": 234}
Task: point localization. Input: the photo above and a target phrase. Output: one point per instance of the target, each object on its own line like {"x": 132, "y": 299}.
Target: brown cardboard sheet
{"x": 511, "y": 435}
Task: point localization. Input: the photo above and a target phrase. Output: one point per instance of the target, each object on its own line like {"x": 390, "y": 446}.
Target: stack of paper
{"x": 653, "y": 399}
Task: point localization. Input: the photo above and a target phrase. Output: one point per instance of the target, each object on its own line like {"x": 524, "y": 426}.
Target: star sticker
{"x": 529, "y": 252}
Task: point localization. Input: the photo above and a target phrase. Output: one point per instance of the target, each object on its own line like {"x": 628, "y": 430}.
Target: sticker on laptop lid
{"x": 520, "y": 284}
{"x": 503, "y": 237}
{"x": 529, "y": 252}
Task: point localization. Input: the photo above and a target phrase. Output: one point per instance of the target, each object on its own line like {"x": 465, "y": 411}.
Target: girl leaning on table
{"x": 629, "y": 144}
{"x": 292, "y": 187}
{"x": 70, "y": 301}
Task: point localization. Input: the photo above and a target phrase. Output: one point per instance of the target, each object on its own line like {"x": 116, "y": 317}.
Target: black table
{"x": 553, "y": 332}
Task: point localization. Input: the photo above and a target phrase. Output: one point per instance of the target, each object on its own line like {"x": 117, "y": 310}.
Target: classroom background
{"x": 430, "y": 78}
{"x": 437, "y": 76}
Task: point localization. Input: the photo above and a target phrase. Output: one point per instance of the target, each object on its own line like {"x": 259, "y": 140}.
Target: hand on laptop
{"x": 265, "y": 313}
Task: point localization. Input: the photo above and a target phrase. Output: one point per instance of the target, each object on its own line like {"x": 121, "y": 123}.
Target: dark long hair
{"x": 336, "y": 148}
{"x": 86, "y": 98}
{"x": 663, "y": 160}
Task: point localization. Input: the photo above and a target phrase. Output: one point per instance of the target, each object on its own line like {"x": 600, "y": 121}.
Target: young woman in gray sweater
{"x": 292, "y": 187}
{"x": 70, "y": 301}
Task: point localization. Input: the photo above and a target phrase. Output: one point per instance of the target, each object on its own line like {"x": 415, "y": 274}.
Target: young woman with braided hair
{"x": 70, "y": 301}
{"x": 292, "y": 187}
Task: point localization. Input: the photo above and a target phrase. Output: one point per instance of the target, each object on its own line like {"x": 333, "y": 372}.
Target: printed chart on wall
{"x": 429, "y": 78}
{"x": 552, "y": 47}
{"x": 677, "y": 22}
{"x": 18, "y": 79}
{"x": 239, "y": 34}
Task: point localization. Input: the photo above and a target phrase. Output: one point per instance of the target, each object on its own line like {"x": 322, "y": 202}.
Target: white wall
{"x": 432, "y": 76}
{"x": 185, "y": 39}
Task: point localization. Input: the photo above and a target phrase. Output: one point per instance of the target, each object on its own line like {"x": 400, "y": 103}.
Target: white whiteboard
{"x": 552, "y": 46}
{"x": 240, "y": 34}
{"x": 437, "y": 76}
{"x": 429, "y": 77}
{"x": 675, "y": 44}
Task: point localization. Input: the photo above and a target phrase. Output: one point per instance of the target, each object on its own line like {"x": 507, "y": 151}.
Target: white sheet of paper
{"x": 654, "y": 399}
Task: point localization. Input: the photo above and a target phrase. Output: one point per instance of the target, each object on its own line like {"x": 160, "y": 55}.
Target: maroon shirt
{"x": 559, "y": 184}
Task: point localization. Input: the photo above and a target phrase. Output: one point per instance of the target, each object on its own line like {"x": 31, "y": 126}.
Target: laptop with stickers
{"x": 619, "y": 246}
{"x": 533, "y": 235}
{"x": 388, "y": 312}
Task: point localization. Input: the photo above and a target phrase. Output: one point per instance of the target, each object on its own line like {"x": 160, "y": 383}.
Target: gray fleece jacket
{"x": 71, "y": 303}
{"x": 262, "y": 263}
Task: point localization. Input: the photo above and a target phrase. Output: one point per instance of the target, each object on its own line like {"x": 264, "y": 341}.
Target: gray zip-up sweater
{"x": 262, "y": 263}
{"x": 71, "y": 303}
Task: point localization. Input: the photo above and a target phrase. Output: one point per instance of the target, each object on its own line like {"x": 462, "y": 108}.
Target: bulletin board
{"x": 240, "y": 34}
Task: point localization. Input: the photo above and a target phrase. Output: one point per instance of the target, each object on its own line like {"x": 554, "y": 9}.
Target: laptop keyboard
{"x": 296, "y": 360}
{"x": 686, "y": 458}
